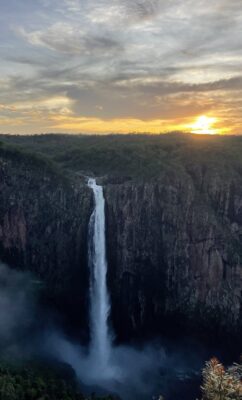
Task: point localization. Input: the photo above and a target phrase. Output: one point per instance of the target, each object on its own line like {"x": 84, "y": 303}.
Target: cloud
{"x": 162, "y": 87}
{"x": 144, "y": 9}
{"x": 66, "y": 38}
{"x": 136, "y": 59}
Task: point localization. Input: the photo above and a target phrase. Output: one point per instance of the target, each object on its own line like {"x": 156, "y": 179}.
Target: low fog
{"x": 133, "y": 372}
{"x": 17, "y": 309}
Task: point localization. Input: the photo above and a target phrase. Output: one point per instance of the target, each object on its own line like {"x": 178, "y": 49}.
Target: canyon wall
{"x": 175, "y": 248}
{"x": 43, "y": 229}
{"x": 174, "y": 245}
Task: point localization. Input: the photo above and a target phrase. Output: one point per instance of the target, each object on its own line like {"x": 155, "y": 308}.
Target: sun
{"x": 204, "y": 125}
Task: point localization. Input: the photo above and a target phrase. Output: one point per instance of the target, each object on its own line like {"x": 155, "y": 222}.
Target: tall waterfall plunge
{"x": 100, "y": 304}
{"x": 129, "y": 372}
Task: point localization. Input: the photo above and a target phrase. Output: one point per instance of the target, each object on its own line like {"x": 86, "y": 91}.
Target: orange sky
{"x": 85, "y": 66}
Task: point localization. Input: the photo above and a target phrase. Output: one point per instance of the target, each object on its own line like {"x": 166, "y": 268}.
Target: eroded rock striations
{"x": 43, "y": 228}
{"x": 175, "y": 249}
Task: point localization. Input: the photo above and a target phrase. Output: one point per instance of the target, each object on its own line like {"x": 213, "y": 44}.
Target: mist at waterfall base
{"x": 143, "y": 372}
{"x": 27, "y": 333}
{"x": 17, "y": 309}
{"x": 128, "y": 372}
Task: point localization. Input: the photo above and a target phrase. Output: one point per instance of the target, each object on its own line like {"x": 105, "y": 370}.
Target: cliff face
{"x": 174, "y": 245}
{"x": 43, "y": 228}
{"x": 175, "y": 249}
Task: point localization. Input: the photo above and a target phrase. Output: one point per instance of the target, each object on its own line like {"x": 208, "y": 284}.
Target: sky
{"x": 101, "y": 66}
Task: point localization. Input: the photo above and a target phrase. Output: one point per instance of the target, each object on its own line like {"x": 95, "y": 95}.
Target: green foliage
{"x": 26, "y": 383}
{"x": 34, "y": 161}
{"x": 35, "y": 382}
{"x": 135, "y": 156}
{"x": 221, "y": 384}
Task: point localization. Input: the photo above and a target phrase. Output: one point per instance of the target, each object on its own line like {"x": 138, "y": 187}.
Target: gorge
{"x": 173, "y": 233}
{"x": 173, "y": 238}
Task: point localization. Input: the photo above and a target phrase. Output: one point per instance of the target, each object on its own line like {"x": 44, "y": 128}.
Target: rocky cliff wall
{"x": 175, "y": 248}
{"x": 174, "y": 245}
{"x": 43, "y": 229}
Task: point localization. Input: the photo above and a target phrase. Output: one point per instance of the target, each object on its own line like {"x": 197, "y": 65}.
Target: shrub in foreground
{"x": 220, "y": 383}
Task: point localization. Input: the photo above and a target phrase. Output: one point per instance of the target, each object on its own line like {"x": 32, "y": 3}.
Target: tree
{"x": 221, "y": 384}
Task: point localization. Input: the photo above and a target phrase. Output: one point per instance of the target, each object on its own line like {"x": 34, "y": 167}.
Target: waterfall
{"x": 99, "y": 298}
{"x": 104, "y": 367}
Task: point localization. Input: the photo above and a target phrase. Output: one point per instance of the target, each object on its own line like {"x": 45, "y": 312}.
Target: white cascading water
{"x": 105, "y": 367}
{"x": 99, "y": 298}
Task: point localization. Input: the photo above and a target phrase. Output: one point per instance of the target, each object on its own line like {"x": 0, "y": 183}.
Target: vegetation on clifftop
{"x": 134, "y": 156}
{"x": 31, "y": 160}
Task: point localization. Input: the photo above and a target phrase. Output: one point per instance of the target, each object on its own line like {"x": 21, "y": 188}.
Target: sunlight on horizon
{"x": 205, "y": 125}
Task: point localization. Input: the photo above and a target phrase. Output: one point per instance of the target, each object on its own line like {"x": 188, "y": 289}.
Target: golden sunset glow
{"x": 125, "y": 125}
{"x": 205, "y": 125}
{"x": 75, "y": 69}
